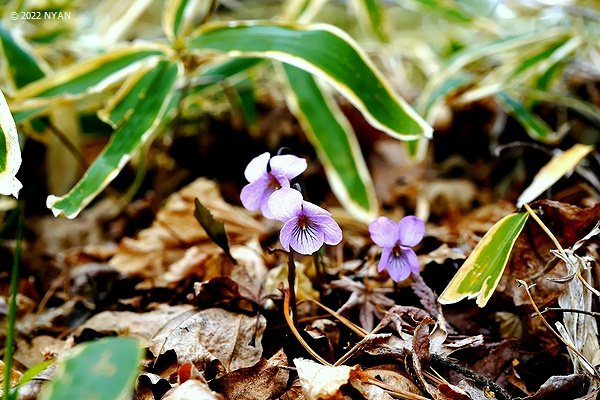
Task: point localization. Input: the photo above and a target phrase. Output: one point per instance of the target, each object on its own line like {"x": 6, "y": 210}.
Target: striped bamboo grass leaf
{"x": 479, "y": 275}
{"x": 326, "y": 52}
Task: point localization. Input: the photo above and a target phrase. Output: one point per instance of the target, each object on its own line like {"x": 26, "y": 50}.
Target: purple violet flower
{"x": 306, "y": 226}
{"x": 396, "y": 239}
{"x": 263, "y": 182}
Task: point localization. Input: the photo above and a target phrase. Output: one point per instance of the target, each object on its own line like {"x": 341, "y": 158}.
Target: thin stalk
{"x": 12, "y": 309}
{"x": 292, "y": 286}
{"x": 320, "y": 278}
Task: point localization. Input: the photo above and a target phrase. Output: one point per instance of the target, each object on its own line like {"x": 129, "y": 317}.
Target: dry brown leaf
{"x": 175, "y": 230}
{"x": 212, "y": 334}
{"x": 264, "y": 380}
{"x": 367, "y": 298}
{"x": 40, "y": 348}
{"x": 14, "y": 375}
{"x": 497, "y": 361}
{"x": 139, "y": 325}
{"x": 322, "y": 382}
{"x": 561, "y": 387}
{"x": 278, "y": 275}
{"x": 192, "y": 390}
{"x": 368, "y": 391}
{"x": 441, "y": 254}
{"x": 393, "y": 376}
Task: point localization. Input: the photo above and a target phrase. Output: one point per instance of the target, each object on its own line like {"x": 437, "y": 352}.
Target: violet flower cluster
{"x": 396, "y": 240}
{"x": 306, "y": 225}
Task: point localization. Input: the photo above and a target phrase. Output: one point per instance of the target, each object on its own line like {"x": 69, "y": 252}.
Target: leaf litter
{"x": 209, "y": 307}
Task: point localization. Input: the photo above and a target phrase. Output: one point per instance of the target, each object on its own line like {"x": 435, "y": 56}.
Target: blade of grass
{"x": 12, "y": 309}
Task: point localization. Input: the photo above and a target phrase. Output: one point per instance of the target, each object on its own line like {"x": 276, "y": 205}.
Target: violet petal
{"x": 305, "y": 240}
{"x": 412, "y": 260}
{"x": 257, "y": 167}
{"x": 285, "y": 236}
{"x": 385, "y": 259}
{"x": 400, "y": 266}
{"x": 332, "y": 233}
{"x": 384, "y": 232}
{"x": 285, "y": 204}
{"x": 412, "y": 230}
{"x": 288, "y": 165}
{"x": 313, "y": 210}
{"x": 255, "y": 194}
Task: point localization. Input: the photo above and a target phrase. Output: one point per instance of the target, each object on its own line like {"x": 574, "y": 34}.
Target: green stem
{"x": 12, "y": 309}
{"x": 292, "y": 286}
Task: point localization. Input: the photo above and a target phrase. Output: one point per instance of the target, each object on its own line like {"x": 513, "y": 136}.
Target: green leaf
{"x": 334, "y": 140}
{"x": 449, "y": 11}
{"x": 93, "y": 74}
{"x": 105, "y": 369}
{"x": 326, "y": 52}
{"x": 533, "y": 125}
{"x": 10, "y": 152}
{"x": 372, "y": 16}
{"x": 247, "y": 102}
{"x": 178, "y": 15}
{"x": 214, "y": 229}
{"x": 152, "y": 93}
{"x": 34, "y": 371}
{"x": 480, "y": 273}
{"x": 454, "y": 64}
{"x": 19, "y": 65}
{"x": 222, "y": 72}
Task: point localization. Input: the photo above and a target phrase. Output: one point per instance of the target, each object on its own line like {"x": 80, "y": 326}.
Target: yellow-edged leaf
{"x": 10, "y": 152}
{"x": 482, "y": 270}
{"x": 556, "y": 168}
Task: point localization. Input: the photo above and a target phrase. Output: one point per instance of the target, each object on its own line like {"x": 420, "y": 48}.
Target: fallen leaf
{"x": 175, "y": 230}
{"x": 264, "y": 380}
{"x": 192, "y": 390}
{"x": 561, "y": 387}
{"x": 367, "y": 298}
{"x": 212, "y": 334}
{"x": 441, "y": 254}
{"x": 138, "y": 325}
{"x": 498, "y": 360}
{"x": 278, "y": 275}
{"x": 40, "y": 348}
{"x": 322, "y": 382}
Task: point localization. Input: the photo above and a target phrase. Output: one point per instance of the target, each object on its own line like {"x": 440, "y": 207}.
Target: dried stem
{"x": 286, "y": 314}
{"x": 573, "y": 310}
{"x": 560, "y": 248}
{"x": 569, "y": 345}
{"x": 357, "y": 329}
{"x": 292, "y": 286}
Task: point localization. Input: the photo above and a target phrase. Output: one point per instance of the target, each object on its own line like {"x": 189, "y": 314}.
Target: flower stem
{"x": 292, "y": 286}
{"x": 320, "y": 273}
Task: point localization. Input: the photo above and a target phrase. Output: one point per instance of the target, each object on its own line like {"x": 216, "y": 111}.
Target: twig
{"x": 547, "y": 309}
{"x": 286, "y": 314}
{"x": 500, "y": 393}
{"x": 357, "y": 329}
{"x": 403, "y": 394}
